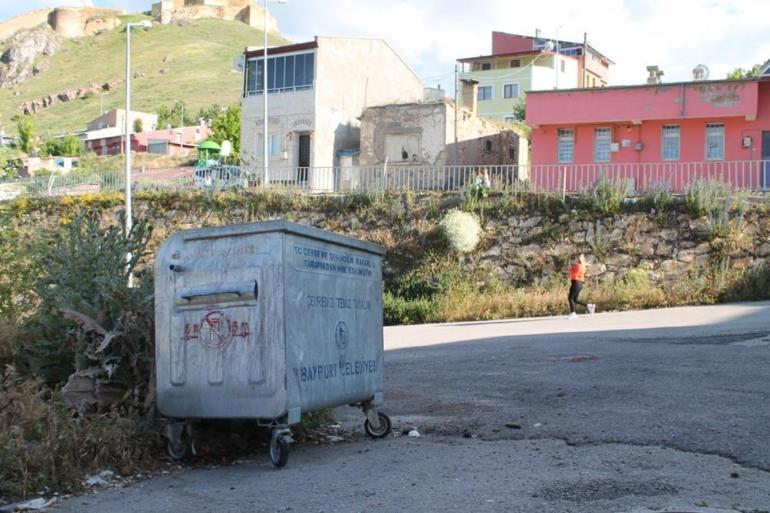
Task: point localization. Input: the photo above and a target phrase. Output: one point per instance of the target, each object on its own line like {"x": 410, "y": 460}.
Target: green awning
{"x": 209, "y": 145}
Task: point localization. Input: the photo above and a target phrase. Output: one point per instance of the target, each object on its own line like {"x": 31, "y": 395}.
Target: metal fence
{"x": 563, "y": 179}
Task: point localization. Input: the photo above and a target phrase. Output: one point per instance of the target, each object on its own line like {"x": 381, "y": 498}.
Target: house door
{"x": 766, "y": 159}
{"x": 303, "y": 160}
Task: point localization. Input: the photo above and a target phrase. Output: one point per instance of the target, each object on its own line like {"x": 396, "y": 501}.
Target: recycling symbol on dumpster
{"x": 341, "y": 337}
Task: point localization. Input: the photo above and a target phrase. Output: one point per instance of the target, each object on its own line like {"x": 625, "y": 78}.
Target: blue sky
{"x": 430, "y": 34}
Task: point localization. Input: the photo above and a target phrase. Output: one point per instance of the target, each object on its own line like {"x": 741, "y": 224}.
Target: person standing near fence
{"x": 577, "y": 276}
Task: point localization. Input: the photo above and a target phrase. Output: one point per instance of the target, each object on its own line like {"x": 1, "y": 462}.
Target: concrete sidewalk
{"x": 712, "y": 320}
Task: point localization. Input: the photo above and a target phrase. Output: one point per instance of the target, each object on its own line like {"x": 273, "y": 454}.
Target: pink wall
{"x": 624, "y": 108}
{"x": 503, "y": 43}
{"x": 692, "y": 100}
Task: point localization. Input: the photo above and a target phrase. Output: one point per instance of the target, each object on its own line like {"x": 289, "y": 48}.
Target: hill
{"x": 189, "y": 61}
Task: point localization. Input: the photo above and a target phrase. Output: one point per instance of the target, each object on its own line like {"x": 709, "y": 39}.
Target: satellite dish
{"x": 226, "y": 148}
{"x": 239, "y": 63}
{"x": 700, "y": 72}
{"x": 548, "y": 46}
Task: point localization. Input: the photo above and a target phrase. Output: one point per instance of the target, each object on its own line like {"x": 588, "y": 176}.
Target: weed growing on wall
{"x": 606, "y": 196}
{"x": 707, "y": 197}
{"x": 462, "y": 230}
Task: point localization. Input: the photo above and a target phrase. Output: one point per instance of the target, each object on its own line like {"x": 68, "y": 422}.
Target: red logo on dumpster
{"x": 216, "y": 330}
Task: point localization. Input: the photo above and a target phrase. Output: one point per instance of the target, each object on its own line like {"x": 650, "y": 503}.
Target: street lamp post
{"x": 265, "y": 166}
{"x": 127, "y": 132}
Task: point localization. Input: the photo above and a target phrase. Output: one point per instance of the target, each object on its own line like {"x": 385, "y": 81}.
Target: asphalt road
{"x": 662, "y": 410}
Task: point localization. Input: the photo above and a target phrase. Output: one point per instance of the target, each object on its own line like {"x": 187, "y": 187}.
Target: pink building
{"x": 659, "y": 133}
{"x": 173, "y": 141}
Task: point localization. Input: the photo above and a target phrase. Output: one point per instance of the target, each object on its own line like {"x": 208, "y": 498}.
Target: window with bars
{"x": 511, "y": 91}
{"x": 602, "y": 144}
{"x": 515, "y": 63}
{"x": 671, "y": 142}
{"x": 485, "y": 66}
{"x": 566, "y": 150}
{"x": 715, "y": 141}
{"x": 485, "y": 93}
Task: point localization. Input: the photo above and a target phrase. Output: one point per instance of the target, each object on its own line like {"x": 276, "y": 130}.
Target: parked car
{"x": 219, "y": 177}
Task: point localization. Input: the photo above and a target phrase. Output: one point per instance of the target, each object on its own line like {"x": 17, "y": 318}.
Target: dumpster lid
{"x": 282, "y": 225}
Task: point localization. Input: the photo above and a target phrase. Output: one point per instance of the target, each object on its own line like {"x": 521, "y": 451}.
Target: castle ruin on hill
{"x": 246, "y": 11}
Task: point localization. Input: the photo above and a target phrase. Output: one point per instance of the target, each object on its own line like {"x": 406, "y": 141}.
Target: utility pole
{"x": 456, "y": 113}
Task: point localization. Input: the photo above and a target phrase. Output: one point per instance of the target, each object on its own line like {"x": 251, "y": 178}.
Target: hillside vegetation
{"x": 187, "y": 61}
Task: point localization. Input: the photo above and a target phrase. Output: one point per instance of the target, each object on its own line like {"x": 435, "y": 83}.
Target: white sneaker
{"x": 572, "y": 316}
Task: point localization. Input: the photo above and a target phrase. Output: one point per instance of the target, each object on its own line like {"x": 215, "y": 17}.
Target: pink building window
{"x": 715, "y": 141}
{"x": 566, "y": 151}
{"x": 602, "y": 144}
{"x": 671, "y": 142}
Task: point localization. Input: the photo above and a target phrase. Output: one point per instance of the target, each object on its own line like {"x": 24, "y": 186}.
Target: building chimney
{"x": 470, "y": 94}
{"x": 655, "y": 74}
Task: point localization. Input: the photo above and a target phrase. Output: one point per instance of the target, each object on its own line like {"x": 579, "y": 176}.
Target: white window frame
{"x": 602, "y": 145}
{"x": 485, "y": 88}
{"x": 718, "y": 137}
{"x": 518, "y": 90}
{"x": 671, "y": 140}
{"x": 565, "y": 145}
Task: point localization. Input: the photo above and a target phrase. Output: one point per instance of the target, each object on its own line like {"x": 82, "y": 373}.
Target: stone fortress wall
{"x": 245, "y": 11}
{"x": 68, "y": 22}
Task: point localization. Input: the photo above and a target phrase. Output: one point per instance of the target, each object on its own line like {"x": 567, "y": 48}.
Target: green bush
{"x": 707, "y": 197}
{"x": 89, "y": 319}
{"x": 606, "y": 196}
{"x": 660, "y": 197}
{"x": 398, "y": 310}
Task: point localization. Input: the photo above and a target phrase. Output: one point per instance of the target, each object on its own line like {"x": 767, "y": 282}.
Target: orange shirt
{"x": 577, "y": 272}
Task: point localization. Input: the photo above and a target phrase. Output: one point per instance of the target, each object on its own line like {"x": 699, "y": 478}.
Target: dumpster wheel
{"x": 382, "y": 430}
{"x": 280, "y": 444}
{"x": 179, "y": 440}
{"x": 179, "y": 449}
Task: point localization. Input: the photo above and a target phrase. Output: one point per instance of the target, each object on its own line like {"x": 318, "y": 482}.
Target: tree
{"x": 171, "y": 117}
{"x": 739, "y": 73}
{"x": 227, "y": 127}
{"x": 26, "y": 130}
{"x": 138, "y": 126}
{"x": 67, "y": 146}
{"x": 209, "y": 114}
{"x": 520, "y": 110}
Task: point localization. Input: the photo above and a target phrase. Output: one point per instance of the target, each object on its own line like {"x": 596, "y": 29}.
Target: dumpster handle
{"x": 212, "y": 294}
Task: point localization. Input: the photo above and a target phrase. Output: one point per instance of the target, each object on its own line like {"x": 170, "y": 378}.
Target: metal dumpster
{"x": 266, "y": 321}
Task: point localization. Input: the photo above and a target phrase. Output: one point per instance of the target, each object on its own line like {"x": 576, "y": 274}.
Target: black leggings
{"x": 574, "y": 292}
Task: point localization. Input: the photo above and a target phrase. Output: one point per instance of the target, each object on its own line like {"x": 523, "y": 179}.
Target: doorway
{"x": 303, "y": 158}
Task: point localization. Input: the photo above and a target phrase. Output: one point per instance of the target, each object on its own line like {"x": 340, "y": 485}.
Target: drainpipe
{"x": 681, "y": 101}
{"x": 583, "y": 74}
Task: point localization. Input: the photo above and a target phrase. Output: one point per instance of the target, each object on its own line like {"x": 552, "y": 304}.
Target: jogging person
{"x": 577, "y": 276}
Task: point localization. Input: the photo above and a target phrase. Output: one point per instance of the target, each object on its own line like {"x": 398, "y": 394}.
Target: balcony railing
{"x": 560, "y": 179}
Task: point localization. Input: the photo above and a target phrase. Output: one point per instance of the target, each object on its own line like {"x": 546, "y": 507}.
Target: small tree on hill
{"x": 26, "y": 130}
{"x": 227, "y": 127}
{"x": 138, "y": 126}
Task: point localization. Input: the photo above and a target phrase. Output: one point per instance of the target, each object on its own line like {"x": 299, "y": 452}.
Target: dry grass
{"x": 43, "y": 445}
